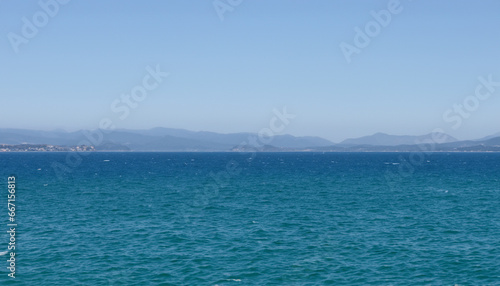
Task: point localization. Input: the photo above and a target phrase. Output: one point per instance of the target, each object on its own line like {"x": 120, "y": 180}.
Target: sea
{"x": 123, "y": 218}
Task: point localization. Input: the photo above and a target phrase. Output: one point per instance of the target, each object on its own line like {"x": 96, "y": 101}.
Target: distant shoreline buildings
{"x": 44, "y": 148}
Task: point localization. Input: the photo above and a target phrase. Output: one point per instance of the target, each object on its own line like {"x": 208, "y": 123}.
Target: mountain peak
{"x": 383, "y": 139}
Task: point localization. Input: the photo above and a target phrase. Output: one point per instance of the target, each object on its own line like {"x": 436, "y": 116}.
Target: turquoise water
{"x": 268, "y": 219}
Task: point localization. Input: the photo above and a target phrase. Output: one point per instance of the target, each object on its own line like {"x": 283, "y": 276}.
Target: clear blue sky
{"x": 228, "y": 75}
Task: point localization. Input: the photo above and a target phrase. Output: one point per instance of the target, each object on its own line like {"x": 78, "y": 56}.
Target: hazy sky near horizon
{"x": 227, "y": 74}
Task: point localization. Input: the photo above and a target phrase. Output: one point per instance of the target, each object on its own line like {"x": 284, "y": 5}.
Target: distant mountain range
{"x": 382, "y": 139}
{"x": 178, "y": 140}
{"x": 157, "y": 139}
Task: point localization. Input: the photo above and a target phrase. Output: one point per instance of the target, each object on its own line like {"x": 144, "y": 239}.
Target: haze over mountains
{"x": 382, "y": 139}
{"x": 156, "y": 139}
{"x": 169, "y": 139}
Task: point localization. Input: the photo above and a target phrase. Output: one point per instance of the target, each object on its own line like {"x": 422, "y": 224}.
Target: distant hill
{"x": 489, "y": 137}
{"x": 382, "y": 139}
{"x": 490, "y": 145}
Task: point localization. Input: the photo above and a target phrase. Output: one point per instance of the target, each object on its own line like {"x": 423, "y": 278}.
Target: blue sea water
{"x": 253, "y": 219}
